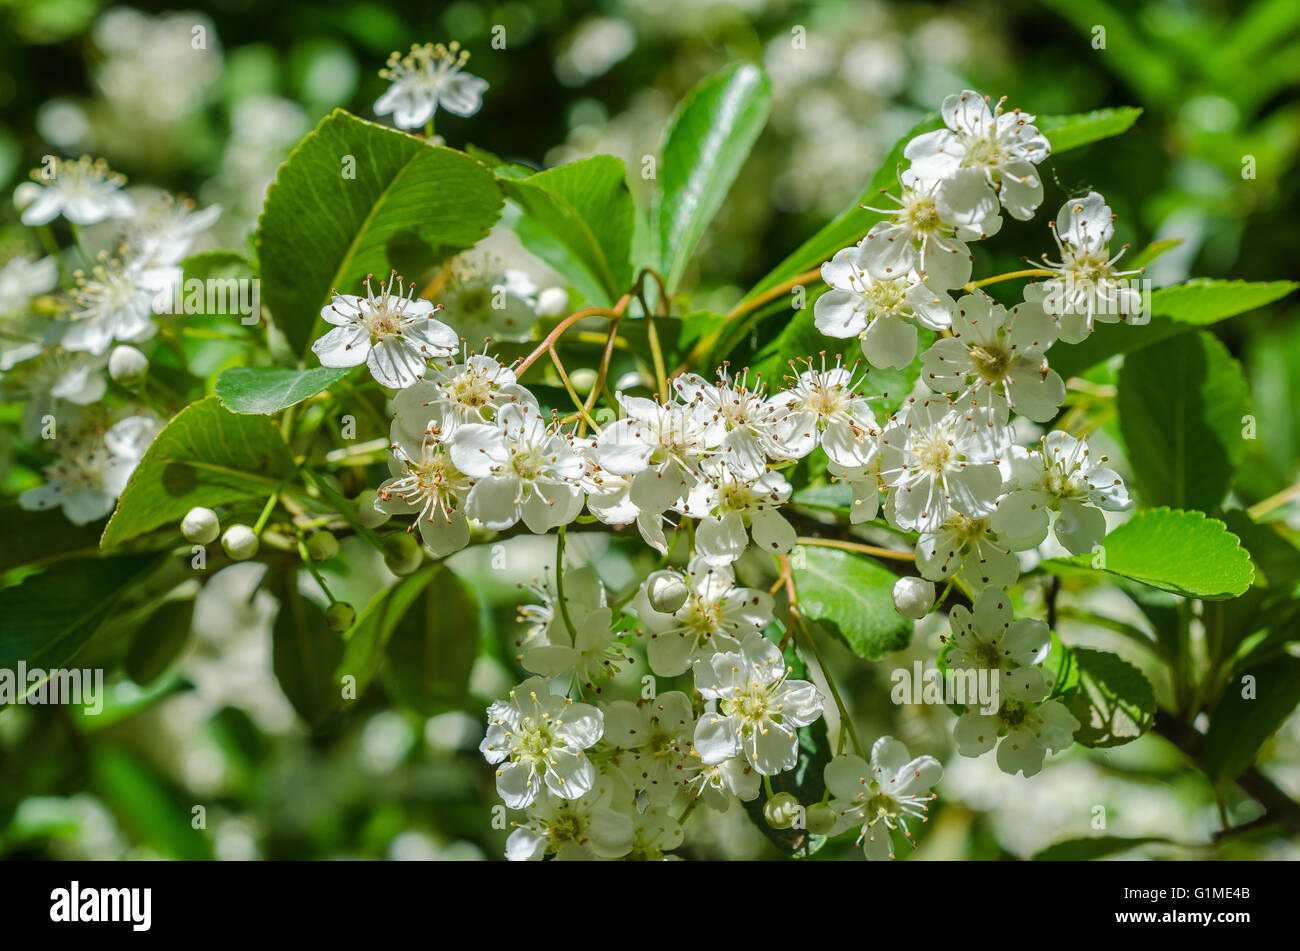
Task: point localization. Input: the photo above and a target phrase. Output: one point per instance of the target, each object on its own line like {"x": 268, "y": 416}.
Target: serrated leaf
{"x": 1175, "y": 310}
{"x": 852, "y": 597}
{"x": 268, "y": 390}
{"x": 1183, "y": 552}
{"x": 709, "y": 137}
{"x": 205, "y": 456}
{"x": 433, "y": 647}
{"x": 1113, "y": 701}
{"x": 1181, "y": 405}
{"x": 32, "y": 537}
{"x": 49, "y": 617}
{"x": 1240, "y": 724}
{"x": 1084, "y": 128}
{"x": 578, "y": 219}
{"x": 409, "y": 205}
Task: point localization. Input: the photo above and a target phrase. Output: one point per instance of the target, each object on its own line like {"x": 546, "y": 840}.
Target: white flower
{"x": 997, "y": 357}
{"x": 879, "y": 798}
{"x": 487, "y": 301}
{"x": 655, "y": 737}
{"x": 395, "y": 335}
{"x": 731, "y": 508}
{"x": 753, "y": 710}
{"x": 428, "y": 77}
{"x": 913, "y": 597}
{"x": 1087, "y": 286}
{"x": 85, "y": 192}
{"x": 161, "y": 236}
{"x": 1026, "y": 728}
{"x": 538, "y": 739}
{"x": 878, "y": 312}
{"x": 427, "y": 484}
{"x": 824, "y": 406}
{"x": 585, "y": 828}
{"x": 716, "y": 616}
{"x": 54, "y": 374}
{"x": 927, "y": 235}
{"x": 116, "y": 303}
{"x": 592, "y": 652}
{"x": 524, "y": 470}
{"x": 718, "y": 784}
{"x": 1003, "y": 146}
{"x": 658, "y": 446}
{"x": 969, "y": 549}
{"x": 990, "y": 638}
{"x": 1064, "y": 477}
{"x": 582, "y": 590}
{"x": 748, "y": 420}
{"x": 21, "y": 279}
{"x": 92, "y": 470}
{"x": 937, "y": 458}
{"x": 475, "y": 389}
{"x": 656, "y": 832}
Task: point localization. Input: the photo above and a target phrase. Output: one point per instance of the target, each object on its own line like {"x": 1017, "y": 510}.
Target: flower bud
{"x": 239, "y": 542}
{"x": 780, "y": 811}
{"x": 552, "y": 302}
{"x": 322, "y": 546}
{"x": 127, "y": 365}
{"x": 367, "y": 514}
{"x": 340, "y": 616}
{"x": 914, "y": 597}
{"x": 666, "y": 591}
{"x": 404, "y": 554}
{"x": 200, "y": 525}
{"x": 820, "y": 819}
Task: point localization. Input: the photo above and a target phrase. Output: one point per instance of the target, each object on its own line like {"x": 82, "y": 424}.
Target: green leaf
{"x": 49, "y": 617}
{"x": 35, "y": 537}
{"x": 852, "y": 597}
{"x": 363, "y": 654}
{"x": 433, "y": 647}
{"x": 578, "y": 219}
{"x": 1183, "y": 552}
{"x": 1114, "y": 702}
{"x": 205, "y": 456}
{"x": 149, "y": 806}
{"x": 1181, "y": 405}
{"x": 708, "y": 139}
{"x": 1240, "y": 724}
{"x": 1093, "y": 847}
{"x": 304, "y": 654}
{"x": 409, "y": 205}
{"x": 1071, "y": 132}
{"x": 157, "y": 645}
{"x": 267, "y": 390}
{"x": 1175, "y": 310}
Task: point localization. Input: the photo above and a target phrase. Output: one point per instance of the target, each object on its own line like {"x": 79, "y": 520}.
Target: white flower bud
{"x": 200, "y": 525}
{"x": 127, "y": 365}
{"x": 367, "y": 514}
{"x": 552, "y": 302}
{"x": 913, "y": 597}
{"x": 239, "y": 542}
{"x": 820, "y": 819}
{"x": 666, "y": 591}
{"x": 780, "y": 811}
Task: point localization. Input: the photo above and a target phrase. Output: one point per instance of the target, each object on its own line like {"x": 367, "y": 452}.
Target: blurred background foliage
{"x": 1212, "y": 162}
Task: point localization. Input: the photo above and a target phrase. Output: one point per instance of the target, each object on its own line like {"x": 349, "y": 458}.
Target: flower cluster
{"x": 60, "y": 346}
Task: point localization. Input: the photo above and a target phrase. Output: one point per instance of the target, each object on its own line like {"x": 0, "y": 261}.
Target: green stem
{"x": 559, "y": 583}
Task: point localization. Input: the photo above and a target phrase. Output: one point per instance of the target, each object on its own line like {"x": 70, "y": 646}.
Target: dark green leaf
{"x": 433, "y": 647}
{"x": 305, "y": 654}
{"x": 150, "y": 807}
{"x": 363, "y": 654}
{"x": 1113, "y": 702}
{"x": 1240, "y": 724}
{"x": 1092, "y": 847}
{"x": 160, "y": 641}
